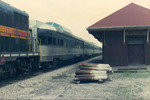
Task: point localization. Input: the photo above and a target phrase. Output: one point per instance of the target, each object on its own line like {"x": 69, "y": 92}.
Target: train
{"x": 58, "y": 43}
{"x": 26, "y": 44}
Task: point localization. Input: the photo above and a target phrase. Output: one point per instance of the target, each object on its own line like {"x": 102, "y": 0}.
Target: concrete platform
{"x": 130, "y": 68}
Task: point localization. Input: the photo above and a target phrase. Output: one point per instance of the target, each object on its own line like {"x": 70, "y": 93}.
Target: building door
{"x": 136, "y": 50}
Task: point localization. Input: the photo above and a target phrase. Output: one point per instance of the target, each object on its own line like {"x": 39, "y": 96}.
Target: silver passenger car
{"x": 57, "y": 43}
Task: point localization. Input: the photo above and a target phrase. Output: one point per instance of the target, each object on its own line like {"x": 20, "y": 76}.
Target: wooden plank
{"x": 90, "y": 78}
{"x": 78, "y": 72}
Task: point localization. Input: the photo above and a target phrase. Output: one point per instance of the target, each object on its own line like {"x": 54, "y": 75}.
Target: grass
{"x": 123, "y": 92}
{"x": 142, "y": 74}
{"x": 128, "y": 92}
{"x": 127, "y": 74}
{"x": 133, "y": 89}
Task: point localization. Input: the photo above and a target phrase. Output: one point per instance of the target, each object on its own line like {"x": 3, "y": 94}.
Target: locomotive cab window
{"x": 1, "y": 16}
{"x": 19, "y": 17}
{"x": 25, "y": 19}
{"x": 16, "y": 16}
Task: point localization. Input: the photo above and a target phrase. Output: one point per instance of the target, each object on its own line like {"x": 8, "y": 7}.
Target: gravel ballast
{"x": 59, "y": 84}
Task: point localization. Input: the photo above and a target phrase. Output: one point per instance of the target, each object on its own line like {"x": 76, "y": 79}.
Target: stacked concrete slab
{"x": 93, "y": 72}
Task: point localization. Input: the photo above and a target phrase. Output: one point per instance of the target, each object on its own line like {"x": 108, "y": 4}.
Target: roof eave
{"x": 118, "y": 28}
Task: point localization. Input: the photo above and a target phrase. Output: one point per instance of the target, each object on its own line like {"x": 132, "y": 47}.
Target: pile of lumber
{"x": 93, "y": 72}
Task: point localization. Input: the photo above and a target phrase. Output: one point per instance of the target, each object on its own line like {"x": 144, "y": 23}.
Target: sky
{"x": 75, "y": 15}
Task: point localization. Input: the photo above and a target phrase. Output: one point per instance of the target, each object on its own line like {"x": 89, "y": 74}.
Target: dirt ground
{"x": 58, "y": 84}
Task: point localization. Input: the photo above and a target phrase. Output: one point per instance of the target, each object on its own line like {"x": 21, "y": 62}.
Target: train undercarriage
{"x": 12, "y": 65}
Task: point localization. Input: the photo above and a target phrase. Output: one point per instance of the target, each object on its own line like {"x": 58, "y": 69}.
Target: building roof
{"x": 131, "y": 15}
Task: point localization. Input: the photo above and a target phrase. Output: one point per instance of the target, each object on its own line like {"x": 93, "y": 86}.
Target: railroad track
{"x": 13, "y": 80}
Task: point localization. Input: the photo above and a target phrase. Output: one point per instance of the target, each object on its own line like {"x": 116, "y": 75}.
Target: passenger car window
{"x": 43, "y": 39}
{"x": 61, "y": 42}
{"x": 54, "y": 41}
{"x": 50, "y": 40}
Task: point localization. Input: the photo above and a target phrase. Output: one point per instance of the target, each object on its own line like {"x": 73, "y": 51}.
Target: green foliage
{"x": 128, "y": 92}
{"x": 127, "y": 74}
{"x": 143, "y": 74}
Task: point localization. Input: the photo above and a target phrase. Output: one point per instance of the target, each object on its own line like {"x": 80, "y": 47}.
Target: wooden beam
{"x": 124, "y": 36}
{"x": 104, "y": 39}
{"x": 147, "y": 36}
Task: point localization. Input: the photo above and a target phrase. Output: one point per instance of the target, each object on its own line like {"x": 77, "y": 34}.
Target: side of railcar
{"x": 97, "y": 50}
{"x": 75, "y": 47}
{"x": 57, "y": 47}
{"x": 88, "y": 49}
{"x": 73, "y": 44}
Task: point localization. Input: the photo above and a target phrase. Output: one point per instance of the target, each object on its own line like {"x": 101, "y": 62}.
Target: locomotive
{"x": 25, "y": 45}
{"x": 15, "y": 56}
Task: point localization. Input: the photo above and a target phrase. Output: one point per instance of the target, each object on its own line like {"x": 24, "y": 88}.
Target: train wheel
{"x": 12, "y": 70}
{"x": 73, "y": 60}
{"x": 55, "y": 62}
{"x": 29, "y": 65}
{"x": 18, "y": 67}
{"x": 33, "y": 65}
{"x": 50, "y": 65}
{"x": 9, "y": 70}
{"x": 26, "y": 66}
